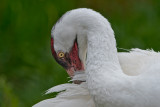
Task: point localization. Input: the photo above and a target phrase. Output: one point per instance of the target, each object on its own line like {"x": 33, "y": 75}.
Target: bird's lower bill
{"x": 71, "y": 71}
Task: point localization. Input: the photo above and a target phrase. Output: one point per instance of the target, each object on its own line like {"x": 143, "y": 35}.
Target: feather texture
{"x": 73, "y": 95}
{"x": 112, "y": 79}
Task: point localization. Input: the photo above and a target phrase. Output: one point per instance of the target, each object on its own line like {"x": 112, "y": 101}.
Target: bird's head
{"x": 68, "y": 59}
{"x": 68, "y": 46}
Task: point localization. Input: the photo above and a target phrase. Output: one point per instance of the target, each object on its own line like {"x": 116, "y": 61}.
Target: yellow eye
{"x": 60, "y": 54}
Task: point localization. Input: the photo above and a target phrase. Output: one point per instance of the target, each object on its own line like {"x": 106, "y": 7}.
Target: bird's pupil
{"x": 61, "y": 55}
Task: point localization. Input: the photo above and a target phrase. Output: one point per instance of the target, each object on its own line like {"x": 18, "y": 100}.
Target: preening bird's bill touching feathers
{"x": 83, "y": 43}
{"x": 74, "y": 95}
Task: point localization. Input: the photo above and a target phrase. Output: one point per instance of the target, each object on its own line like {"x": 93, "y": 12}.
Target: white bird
{"x": 83, "y": 40}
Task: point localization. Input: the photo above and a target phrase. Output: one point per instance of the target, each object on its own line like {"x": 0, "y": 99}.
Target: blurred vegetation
{"x": 27, "y": 68}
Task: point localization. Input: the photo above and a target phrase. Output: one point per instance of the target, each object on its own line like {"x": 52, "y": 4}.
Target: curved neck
{"x": 101, "y": 51}
{"x": 102, "y": 65}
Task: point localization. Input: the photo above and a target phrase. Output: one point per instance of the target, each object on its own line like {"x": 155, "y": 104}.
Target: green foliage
{"x": 7, "y": 99}
{"x": 27, "y": 68}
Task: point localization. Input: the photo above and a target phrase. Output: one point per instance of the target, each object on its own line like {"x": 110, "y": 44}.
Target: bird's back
{"x": 138, "y": 61}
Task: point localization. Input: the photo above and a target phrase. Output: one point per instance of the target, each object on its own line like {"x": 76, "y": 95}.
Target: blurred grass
{"x": 27, "y": 68}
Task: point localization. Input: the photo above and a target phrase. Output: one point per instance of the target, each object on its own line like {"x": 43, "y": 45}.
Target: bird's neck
{"x": 102, "y": 65}
{"x": 102, "y": 52}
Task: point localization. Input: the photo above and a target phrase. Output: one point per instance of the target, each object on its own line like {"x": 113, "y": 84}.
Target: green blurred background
{"x": 27, "y": 68}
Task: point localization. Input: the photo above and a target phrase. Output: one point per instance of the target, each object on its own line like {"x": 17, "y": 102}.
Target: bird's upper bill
{"x": 70, "y": 61}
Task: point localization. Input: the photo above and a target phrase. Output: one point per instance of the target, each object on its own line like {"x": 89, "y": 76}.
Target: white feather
{"x": 69, "y": 92}
{"x": 113, "y": 79}
{"x": 72, "y": 95}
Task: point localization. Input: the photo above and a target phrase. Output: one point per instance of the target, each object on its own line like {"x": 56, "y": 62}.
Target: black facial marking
{"x": 62, "y": 63}
{"x": 67, "y": 58}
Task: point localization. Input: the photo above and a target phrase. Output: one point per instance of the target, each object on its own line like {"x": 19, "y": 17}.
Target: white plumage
{"x": 73, "y": 96}
{"x": 113, "y": 79}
